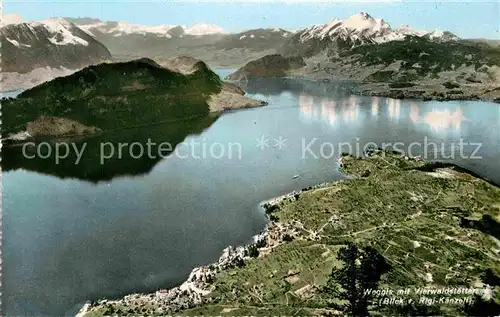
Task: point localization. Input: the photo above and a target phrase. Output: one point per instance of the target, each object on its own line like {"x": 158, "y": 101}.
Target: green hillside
{"x": 431, "y": 56}
{"x": 116, "y": 95}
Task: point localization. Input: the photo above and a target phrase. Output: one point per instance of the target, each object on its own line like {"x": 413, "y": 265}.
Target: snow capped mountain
{"x": 441, "y": 35}
{"x": 56, "y": 31}
{"x": 362, "y": 28}
{"x": 124, "y": 28}
{"x": 356, "y": 30}
{"x": 407, "y": 30}
{"x": 359, "y": 27}
{"x": 49, "y": 43}
{"x": 61, "y": 31}
{"x": 435, "y": 34}
{"x": 271, "y": 33}
{"x": 117, "y": 29}
{"x": 203, "y": 29}
{"x": 255, "y": 40}
{"x": 281, "y": 31}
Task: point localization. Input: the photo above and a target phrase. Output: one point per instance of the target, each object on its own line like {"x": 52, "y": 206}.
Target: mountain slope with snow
{"x": 113, "y": 28}
{"x": 255, "y": 40}
{"x": 51, "y": 43}
{"x": 207, "y": 42}
{"x": 204, "y": 29}
{"x": 356, "y": 30}
{"x": 362, "y": 28}
{"x": 359, "y": 27}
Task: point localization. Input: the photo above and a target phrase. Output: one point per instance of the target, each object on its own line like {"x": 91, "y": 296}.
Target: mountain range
{"x": 97, "y": 27}
{"x": 60, "y": 46}
{"x": 208, "y": 42}
{"x": 356, "y": 30}
{"x": 81, "y": 39}
{"x": 362, "y": 28}
{"x": 382, "y": 61}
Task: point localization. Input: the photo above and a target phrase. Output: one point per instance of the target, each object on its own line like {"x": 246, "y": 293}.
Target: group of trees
{"x": 361, "y": 272}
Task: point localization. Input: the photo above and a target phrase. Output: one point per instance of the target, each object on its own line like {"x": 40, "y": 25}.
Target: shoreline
{"x": 195, "y": 292}
{"x": 400, "y": 93}
{"x": 240, "y": 102}
{"x": 444, "y": 87}
{"x": 196, "y": 286}
{"x": 199, "y": 281}
{"x": 360, "y": 88}
{"x": 382, "y": 89}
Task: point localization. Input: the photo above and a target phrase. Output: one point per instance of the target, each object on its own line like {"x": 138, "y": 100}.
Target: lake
{"x": 90, "y": 230}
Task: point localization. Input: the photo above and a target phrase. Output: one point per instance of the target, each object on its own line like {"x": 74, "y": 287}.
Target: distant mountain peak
{"x": 203, "y": 29}
{"x": 441, "y": 35}
{"x": 163, "y": 30}
{"x": 360, "y": 16}
{"x": 362, "y": 28}
{"x": 57, "y": 24}
{"x": 58, "y": 31}
{"x": 55, "y": 42}
{"x": 358, "y": 27}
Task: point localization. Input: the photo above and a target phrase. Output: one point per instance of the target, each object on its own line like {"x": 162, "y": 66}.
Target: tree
{"x": 482, "y": 307}
{"x": 253, "y": 250}
{"x": 361, "y": 272}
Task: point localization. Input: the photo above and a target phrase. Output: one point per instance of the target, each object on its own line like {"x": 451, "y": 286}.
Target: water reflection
{"x": 381, "y": 120}
{"x": 354, "y": 109}
{"x": 121, "y": 163}
{"x": 306, "y": 104}
{"x": 414, "y": 112}
{"x": 327, "y": 109}
{"x": 440, "y": 120}
{"x": 375, "y": 106}
{"x": 350, "y": 112}
{"x": 394, "y": 108}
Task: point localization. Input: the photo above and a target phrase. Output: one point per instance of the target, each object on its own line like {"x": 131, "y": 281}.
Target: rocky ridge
{"x": 53, "y": 43}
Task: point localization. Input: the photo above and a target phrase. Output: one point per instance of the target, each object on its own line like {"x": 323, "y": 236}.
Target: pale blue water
{"x": 10, "y": 93}
{"x": 69, "y": 240}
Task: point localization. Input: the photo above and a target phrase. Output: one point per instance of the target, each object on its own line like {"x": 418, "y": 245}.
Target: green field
{"x": 418, "y": 222}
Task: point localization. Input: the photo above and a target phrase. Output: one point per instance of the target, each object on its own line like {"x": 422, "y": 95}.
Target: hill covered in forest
{"x": 121, "y": 95}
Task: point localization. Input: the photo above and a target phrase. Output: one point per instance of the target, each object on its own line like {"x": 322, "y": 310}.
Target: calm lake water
{"x": 73, "y": 233}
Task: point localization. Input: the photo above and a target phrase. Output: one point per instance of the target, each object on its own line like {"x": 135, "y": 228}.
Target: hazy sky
{"x": 464, "y": 18}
